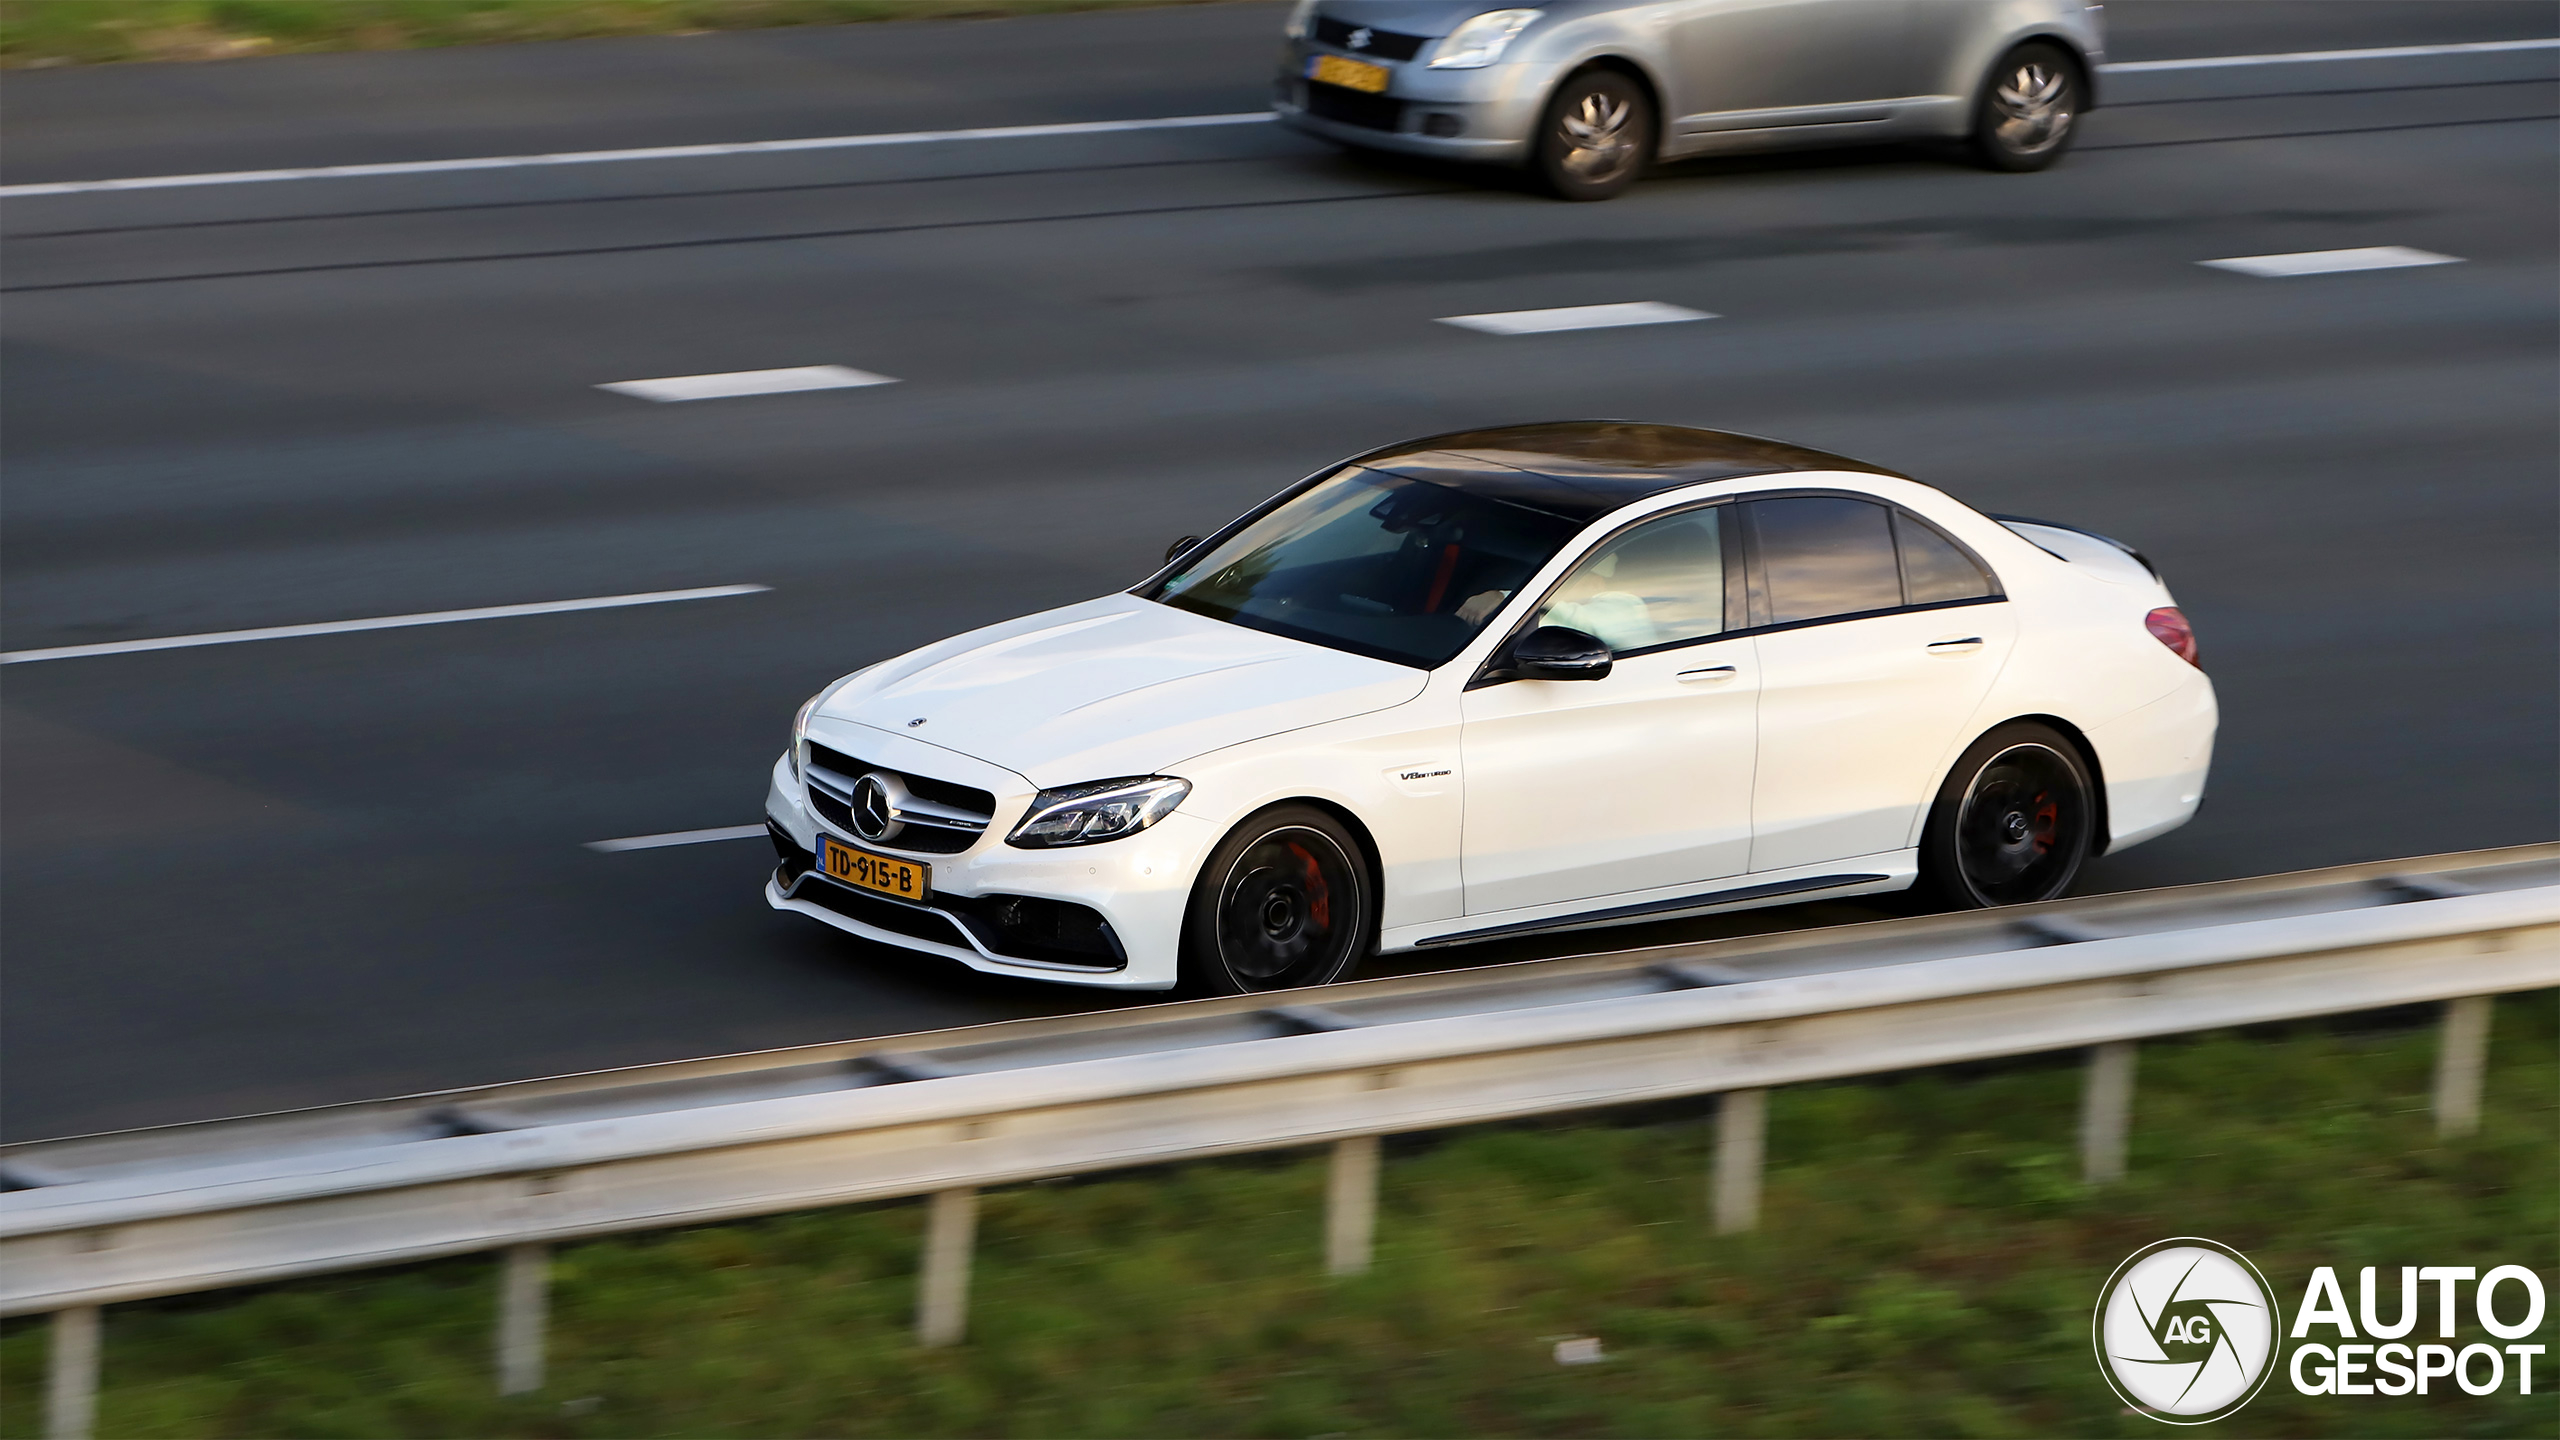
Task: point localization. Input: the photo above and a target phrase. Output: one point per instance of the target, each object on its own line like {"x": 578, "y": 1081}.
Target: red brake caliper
{"x": 1319, "y": 897}
{"x": 2048, "y": 820}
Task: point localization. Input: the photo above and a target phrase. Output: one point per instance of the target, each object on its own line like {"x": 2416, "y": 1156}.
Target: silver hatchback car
{"x": 1587, "y": 93}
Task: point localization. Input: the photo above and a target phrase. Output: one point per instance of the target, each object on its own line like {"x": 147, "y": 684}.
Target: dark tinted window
{"x": 1822, "y": 555}
{"x": 1933, "y": 569}
{"x": 1378, "y": 565}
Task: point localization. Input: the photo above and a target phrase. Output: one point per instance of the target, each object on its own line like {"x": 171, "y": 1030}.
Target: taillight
{"x": 2169, "y": 626}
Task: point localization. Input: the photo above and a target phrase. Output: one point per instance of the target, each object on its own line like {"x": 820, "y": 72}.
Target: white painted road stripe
{"x": 2313, "y": 57}
{"x": 676, "y": 837}
{"x": 1575, "y": 317}
{"x": 382, "y": 622}
{"x": 2330, "y": 262}
{"x": 749, "y": 382}
{"x": 659, "y": 152}
{"x": 1025, "y": 132}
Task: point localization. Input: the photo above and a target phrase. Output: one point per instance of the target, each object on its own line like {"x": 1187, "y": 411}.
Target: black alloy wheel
{"x": 1597, "y": 137}
{"x": 2029, "y": 109}
{"x": 2013, "y": 822}
{"x": 1284, "y": 901}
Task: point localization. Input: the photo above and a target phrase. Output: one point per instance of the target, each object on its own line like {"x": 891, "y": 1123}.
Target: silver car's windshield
{"x": 1379, "y": 565}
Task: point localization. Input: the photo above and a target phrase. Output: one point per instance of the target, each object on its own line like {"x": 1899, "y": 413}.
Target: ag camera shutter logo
{"x": 2186, "y": 1330}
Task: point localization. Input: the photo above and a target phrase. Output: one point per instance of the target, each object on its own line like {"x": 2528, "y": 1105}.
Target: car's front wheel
{"x": 1597, "y": 136}
{"x": 2012, "y": 823}
{"x": 1284, "y": 901}
{"x": 2029, "y": 109}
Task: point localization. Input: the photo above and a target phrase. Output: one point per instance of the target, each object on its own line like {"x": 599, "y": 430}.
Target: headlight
{"x": 1481, "y": 41}
{"x": 1091, "y": 814}
{"x": 800, "y": 726}
{"x": 1301, "y": 16}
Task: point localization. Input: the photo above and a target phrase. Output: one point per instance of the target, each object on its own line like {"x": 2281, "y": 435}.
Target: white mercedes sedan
{"x": 1498, "y": 683}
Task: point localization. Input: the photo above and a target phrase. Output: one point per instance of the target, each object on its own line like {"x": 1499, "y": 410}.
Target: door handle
{"x": 1964, "y": 646}
{"x": 1709, "y": 676}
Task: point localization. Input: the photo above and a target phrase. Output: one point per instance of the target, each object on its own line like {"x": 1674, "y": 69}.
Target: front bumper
{"x": 1483, "y": 116}
{"x": 1007, "y": 911}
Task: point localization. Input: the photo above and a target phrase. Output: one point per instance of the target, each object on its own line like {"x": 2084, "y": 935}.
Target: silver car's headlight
{"x": 1481, "y": 41}
{"x": 1301, "y": 16}
{"x": 1091, "y": 814}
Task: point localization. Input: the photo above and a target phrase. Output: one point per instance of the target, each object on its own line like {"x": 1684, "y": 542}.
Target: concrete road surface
{"x": 255, "y": 875}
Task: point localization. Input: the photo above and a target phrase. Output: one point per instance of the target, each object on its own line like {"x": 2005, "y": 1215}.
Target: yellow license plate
{"x": 1349, "y": 74}
{"x": 897, "y": 879}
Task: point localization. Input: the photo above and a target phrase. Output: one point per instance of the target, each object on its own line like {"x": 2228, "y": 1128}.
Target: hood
{"x": 1410, "y": 17}
{"x": 1112, "y": 687}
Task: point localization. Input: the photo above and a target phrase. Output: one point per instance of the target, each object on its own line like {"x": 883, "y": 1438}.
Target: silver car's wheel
{"x": 1597, "y": 137}
{"x": 2030, "y": 108}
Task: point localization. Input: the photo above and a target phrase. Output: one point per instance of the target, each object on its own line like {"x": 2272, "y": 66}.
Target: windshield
{"x": 1378, "y": 565}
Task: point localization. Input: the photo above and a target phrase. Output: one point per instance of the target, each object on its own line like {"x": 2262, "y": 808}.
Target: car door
{"x": 1733, "y": 60}
{"x": 1588, "y": 788}
{"x": 1888, "y": 636}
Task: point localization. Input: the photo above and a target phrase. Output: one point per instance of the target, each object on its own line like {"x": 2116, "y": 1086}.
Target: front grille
{"x": 1383, "y": 44}
{"x": 1353, "y": 107}
{"x": 962, "y": 811}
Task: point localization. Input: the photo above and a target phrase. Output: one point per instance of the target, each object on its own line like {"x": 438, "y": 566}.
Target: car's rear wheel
{"x": 1284, "y": 901}
{"x": 1597, "y": 137}
{"x": 2030, "y": 108}
{"x": 2012, "y": 823}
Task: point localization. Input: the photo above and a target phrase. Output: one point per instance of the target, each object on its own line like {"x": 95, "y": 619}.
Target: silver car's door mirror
{"x": 1553, "y": 652}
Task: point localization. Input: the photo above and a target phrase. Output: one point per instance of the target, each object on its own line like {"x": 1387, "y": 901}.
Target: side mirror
{"x": 1553, "y": 652}
{"x": 1179, "y": 548}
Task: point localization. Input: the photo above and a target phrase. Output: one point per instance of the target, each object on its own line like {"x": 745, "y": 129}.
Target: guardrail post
{"x": 524, "y": 1313}
{"x": 1351, "y": 1205}
{"x": 1742, "y": 1122}
{"x": 71, "y": 1401}
{"x": 942, "y": 1290}
{"x": 2462, "y": 1052}
{"x": 2106, "y": 1112}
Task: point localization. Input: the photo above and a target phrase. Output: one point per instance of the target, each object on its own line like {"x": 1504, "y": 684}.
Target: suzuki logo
{"x": 1359, "y": 39}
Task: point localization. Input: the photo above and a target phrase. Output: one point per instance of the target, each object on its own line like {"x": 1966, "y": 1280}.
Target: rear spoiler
{"x": 2139, "y": 558}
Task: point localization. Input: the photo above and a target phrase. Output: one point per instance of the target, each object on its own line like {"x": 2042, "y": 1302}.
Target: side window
{"x": 1934, "y": 571}
{"x": 1823, "y": 555}
{"x": 1658, "y": 584}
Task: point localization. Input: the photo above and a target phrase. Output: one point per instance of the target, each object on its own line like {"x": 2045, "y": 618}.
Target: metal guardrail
{"x": 515, "y": 1168}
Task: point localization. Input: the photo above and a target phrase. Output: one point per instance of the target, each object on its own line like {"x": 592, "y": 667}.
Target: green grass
{"x": 1927, "y": 1265}
{"x": 65, "y": 32}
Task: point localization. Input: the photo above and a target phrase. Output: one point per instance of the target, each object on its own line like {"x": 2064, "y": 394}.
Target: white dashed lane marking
{"x": 379, "y": 622}
{"x": 748, "y": 382}
{"x": 655, "y": 152}
{"x": 1575, "y": 317}
{"x": 2331, "y": 262}
{"x": 677, "y": 837}
{"x": 2316, "y": 57}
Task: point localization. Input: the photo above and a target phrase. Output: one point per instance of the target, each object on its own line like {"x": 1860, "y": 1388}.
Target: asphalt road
{"x": 252, "y": 876}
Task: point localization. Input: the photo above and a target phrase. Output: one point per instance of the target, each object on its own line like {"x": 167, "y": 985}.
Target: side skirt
{"x": 1669, "y": 909}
